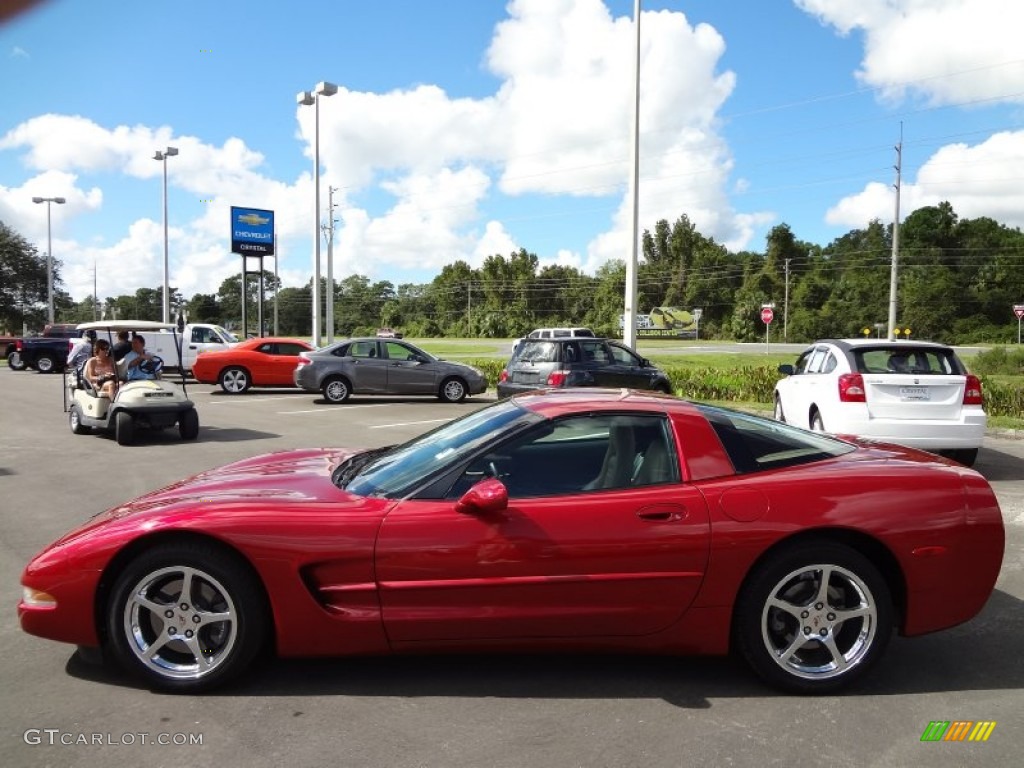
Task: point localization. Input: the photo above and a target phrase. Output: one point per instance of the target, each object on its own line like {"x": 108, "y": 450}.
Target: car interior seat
{"x": 897, "y": 363}
{"x": 655, "y": 465}
{"x": 617, "y": 468}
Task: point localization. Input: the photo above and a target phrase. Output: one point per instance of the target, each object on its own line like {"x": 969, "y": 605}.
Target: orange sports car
{"x": 262, "y": 362}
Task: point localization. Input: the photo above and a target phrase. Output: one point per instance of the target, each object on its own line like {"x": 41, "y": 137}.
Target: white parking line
{"x": 407, "y": 424}
{"x": 327, "y": 408}
{"x": 241, "y": 400}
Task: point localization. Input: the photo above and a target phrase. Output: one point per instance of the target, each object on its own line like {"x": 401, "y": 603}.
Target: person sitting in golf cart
{"x": 134, "y": 361}
{"x": 100, "y": 370}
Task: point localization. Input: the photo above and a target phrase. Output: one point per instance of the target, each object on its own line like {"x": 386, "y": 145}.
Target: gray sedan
{"x": 377, "y": 366}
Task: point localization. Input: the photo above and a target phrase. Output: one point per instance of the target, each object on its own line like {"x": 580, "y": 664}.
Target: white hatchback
{"x": 913, "y": 393}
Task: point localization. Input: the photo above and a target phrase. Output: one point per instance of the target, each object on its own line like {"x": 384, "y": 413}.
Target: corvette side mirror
{"x": 487, "y": 496}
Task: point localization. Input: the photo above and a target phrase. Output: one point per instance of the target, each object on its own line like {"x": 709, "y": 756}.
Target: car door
{"x": 281, "y": 365}
{"x": 628, "y": 367}
{"x": 368, "y": 371}
{"x": 596, "y": 361}
{"x": 407, "y": 371}
{"x": 201, "y": 339}
{"x": 261, "y": 363}
{"x": 794, "y": 391}
{"x": 599, "y": 538}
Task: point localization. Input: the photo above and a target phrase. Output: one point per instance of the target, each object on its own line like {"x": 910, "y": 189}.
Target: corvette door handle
{"x": 661, "y": 514}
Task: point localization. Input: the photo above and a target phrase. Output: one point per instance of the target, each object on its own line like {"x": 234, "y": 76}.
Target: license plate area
{"x": 912, "y": 394}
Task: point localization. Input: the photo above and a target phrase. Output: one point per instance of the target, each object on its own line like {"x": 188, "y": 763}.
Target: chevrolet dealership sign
{"x": 252, "y": 231}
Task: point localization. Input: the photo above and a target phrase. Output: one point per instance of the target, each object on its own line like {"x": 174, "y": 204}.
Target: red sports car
{"x": 261, "y": 362}
{"x": 562, "y": 520}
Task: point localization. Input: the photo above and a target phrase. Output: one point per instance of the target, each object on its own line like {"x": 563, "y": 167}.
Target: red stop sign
{"x": 767, "y": 315}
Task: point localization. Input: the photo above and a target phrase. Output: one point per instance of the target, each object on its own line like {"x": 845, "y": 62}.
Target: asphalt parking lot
{"x": 452, "y": 711}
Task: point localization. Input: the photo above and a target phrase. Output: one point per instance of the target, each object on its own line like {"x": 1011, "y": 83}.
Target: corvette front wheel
{"x": 814, "y": 617}
{"x": 186, "y": 617}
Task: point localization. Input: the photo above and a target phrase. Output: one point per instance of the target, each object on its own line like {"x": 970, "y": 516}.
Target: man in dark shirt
{"x": 123, "y": 345}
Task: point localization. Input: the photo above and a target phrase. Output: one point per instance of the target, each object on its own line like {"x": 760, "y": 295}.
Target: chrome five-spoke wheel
{"x": 181, "y": 622}
{"x": 813, "y": 617}
{"x": 186, "y": 616}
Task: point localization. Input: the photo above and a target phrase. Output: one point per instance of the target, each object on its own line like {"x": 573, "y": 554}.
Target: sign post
{"x": 252, "y": 235}
{"x": 1018, "y": 310}
{"x": 697, "y": 314}
{"x": 767, "y": 315}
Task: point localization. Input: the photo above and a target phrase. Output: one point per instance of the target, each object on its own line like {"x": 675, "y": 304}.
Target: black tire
{"x": 75, "y": 421}
{"x": 765, "y": 632}
{"x": 336, "y": 389}
{"x": 779, "y": 415}
{"x": 817, "y": 425}
{"x": 45, "y": 363}
{"x": 452, "y": 390}
{"x": 188, "y": 425}
{"x": 15, "y": 363}
{"x": 124, "y": 428}
{"x": 235, "y": 380}
{"x": 195, "y": 650}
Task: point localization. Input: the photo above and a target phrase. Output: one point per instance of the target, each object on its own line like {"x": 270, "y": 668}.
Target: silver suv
{"x": 578, "y": 362}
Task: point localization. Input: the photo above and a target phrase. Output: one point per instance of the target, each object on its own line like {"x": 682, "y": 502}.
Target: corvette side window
{"x": 578, "y": 455}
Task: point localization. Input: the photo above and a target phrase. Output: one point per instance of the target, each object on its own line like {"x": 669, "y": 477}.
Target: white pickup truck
{"x": 196, "y": 338}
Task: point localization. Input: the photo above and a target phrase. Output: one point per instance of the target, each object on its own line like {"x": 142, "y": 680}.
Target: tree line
{"x": 958, "y": 281}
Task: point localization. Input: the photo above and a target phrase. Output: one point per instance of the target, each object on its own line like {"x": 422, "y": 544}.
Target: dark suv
{"x": 578, "y": 362}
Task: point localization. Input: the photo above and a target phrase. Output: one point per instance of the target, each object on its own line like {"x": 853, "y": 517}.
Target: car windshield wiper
{"x": 348, "y": 469}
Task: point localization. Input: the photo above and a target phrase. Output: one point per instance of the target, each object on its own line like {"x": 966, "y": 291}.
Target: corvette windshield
{"x": 407, "y": 465}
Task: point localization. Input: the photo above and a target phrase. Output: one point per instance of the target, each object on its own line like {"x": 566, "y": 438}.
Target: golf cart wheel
{"x": 15, "y": 363}
{"x": 75, "y": 420}
{"x": 188, "y": 425}
{"x": 235, "y": 381}
{"x": 124, "y": 428}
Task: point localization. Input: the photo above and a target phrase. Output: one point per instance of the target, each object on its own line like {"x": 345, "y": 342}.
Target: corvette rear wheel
{"x": 186, "y": 617}
{"x": 814, "y": 618}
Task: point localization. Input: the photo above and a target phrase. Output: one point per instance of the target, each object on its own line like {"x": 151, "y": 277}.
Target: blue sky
{"x": 472, "y": 127}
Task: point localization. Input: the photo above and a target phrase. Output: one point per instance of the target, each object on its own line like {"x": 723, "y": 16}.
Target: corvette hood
{"x": 274, "y": 480}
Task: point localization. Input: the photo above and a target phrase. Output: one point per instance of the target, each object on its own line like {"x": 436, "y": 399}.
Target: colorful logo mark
{"x": 958, "y": 730}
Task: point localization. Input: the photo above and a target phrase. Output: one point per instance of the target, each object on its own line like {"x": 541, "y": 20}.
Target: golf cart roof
{"x": 126, "y": 325}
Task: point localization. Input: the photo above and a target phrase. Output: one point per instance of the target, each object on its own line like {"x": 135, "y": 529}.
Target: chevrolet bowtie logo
{"x": 253, "y": 219}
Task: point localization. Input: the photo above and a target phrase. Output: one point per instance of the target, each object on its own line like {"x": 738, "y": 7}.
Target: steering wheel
{"x": 152, "y": 366}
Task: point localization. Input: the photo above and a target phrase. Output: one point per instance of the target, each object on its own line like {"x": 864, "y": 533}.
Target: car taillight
{"x": 17, "y": 345}
{"x": 303, "y": 361}
{"x": 851, "y": 388}
{"x": 972, "y": 391}
{"x": 71, "y": 345}
{"x": 503, "y": 377}
{"x": 557, "y": 378}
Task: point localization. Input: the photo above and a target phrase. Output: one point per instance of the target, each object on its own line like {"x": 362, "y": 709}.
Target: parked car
{"x": 262, "y": 362}
{"x": 579, "y": 362}
{"x": 388, "y": 333}
{"x": 565, "y": 520}
{"x": 914, "y": 393}
{"x": 372, "y": 366}
{"x": 46, "y": 353}
{"x": 560, "y": 333}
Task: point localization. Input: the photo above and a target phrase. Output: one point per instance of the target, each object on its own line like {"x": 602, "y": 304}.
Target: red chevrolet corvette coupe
{"x": 261, "y": 362}
{"x": 562, "y": 520}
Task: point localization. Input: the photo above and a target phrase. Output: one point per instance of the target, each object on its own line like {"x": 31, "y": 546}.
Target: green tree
{"x": 23, "y": 293}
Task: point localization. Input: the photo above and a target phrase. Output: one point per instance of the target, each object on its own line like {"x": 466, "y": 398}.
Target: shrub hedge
{"x": 756, "y": 384}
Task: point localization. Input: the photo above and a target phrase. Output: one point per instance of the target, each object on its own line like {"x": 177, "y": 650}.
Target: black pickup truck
{"x": 47, "y": 353}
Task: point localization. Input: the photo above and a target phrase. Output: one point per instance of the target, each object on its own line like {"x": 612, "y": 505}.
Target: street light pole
{"x": 169, "y": 152}
{"x": 305, "y": 98}
{"x": 49, "y": 253}
{"x": 629, "y": 314}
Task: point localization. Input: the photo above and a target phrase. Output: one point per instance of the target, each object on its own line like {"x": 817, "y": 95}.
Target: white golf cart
{"x": 144, "y": 404}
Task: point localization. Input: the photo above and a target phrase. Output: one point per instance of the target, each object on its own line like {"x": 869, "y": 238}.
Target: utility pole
{"x": 329, "y": 229}
{"x": 469, "y": 307}
{"x": 95, "y": 294}
{"x": 785, "y": 308}
{"x": 894, "y": 270}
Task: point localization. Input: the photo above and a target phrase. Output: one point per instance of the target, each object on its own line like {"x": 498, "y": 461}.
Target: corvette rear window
{"x": 755, "y": 444}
